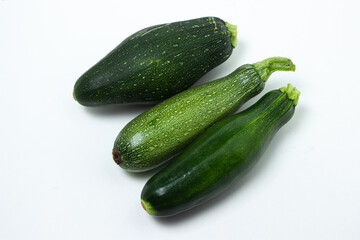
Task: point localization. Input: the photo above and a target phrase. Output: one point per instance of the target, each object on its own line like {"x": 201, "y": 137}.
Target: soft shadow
{"x": 145, "y": 175}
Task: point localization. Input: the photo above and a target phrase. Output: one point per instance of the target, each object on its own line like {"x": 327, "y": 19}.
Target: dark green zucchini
{"x": 157, "y": 62}
{"x": 220, "y": 156}
{"x": 157, "y": 134}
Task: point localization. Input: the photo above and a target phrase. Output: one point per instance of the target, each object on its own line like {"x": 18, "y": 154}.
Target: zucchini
{"x": 157, "y": 134}
{"x": 157, "y": 62}
{"x": 220, "y": 156}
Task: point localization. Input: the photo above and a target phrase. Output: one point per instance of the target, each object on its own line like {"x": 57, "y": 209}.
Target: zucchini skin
{"x": 156, "y": 63}
{"x": 161, "y": 132}
{"x": 220, "y": 156}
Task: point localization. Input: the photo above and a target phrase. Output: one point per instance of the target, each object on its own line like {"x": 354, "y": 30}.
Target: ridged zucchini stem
{"x": 147, "y": 206}
{"x": 292, "y": 93}
{"x": 233, "y": 30}
{"x": 266, "y": 67}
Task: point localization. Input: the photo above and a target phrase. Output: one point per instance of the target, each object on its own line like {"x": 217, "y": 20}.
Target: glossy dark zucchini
{"x": 220, "y": 156}
{"x": 157, "y": 62}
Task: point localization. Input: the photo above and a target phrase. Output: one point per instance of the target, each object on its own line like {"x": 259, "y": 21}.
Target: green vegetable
{"x": 220, "y": 156}
{"x": 157, "y": 62}
{"x": 161, "y": 132}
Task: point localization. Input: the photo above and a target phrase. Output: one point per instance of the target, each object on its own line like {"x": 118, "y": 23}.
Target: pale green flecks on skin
{"x": 292, "y": 92}
{"x": 177, "y": 110}
{"x": 177, "y": 106}
{"x": 214, "y": 22}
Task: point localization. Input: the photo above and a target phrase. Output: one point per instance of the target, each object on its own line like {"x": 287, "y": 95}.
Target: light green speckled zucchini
{"x": 157, "y": 134}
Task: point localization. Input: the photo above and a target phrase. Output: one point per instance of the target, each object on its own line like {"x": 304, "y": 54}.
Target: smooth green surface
{"x": 218, "y": 157}
{"x": 156, "y": 63}
{"x": 161, "y": 132}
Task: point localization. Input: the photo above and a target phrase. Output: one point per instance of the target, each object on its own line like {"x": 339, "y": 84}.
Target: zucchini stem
{"x": 233, "y": 30}
{"x": 266, "y": 67}
{"x": 292, "y": 93}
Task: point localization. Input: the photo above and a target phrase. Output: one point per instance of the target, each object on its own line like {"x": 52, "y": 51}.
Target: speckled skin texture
{"x": 220, "y": 156}
{"x": 157, "y": 134}
{"x": 156, "y": 63}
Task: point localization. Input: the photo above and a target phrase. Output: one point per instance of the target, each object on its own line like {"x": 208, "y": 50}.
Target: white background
{"x": 57, "y": 176}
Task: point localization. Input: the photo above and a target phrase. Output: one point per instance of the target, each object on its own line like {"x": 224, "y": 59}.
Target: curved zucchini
{"x": 157, "y": 134}
{"x": 157, "y": 62}
{"x": 218, "y": 157}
